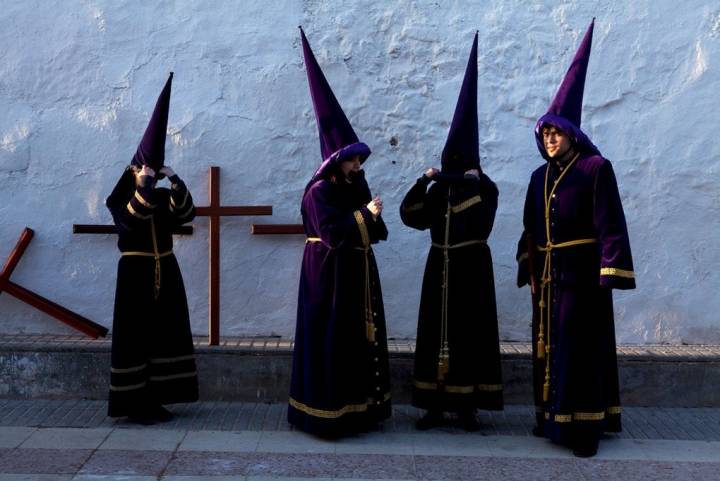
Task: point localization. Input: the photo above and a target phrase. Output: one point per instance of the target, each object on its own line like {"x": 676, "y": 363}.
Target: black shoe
{"x": 538, "y": 431}
{"x": 585, "y": 449}
{"x": 162, "y": 415}
{"x": 432, "y": 419}
{"x": 468, "y": 421}
{"x": 371, "y": 426}
{"x": 142, "y": 416}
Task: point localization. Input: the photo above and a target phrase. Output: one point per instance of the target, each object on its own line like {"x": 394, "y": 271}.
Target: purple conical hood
{"x": 565, "y": 111}
{"x": 461, "y": 148}
{"x": 151, "y": 151}
{"x": 338, "y": 140}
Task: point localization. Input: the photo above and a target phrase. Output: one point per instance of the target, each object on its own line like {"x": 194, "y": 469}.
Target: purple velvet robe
{"x": 583, "y": 395}
{"x": 340, "y": 380}
{"x": 460, "y": 215}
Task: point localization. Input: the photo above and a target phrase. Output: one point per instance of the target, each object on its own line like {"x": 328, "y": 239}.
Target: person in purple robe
{"x": 340, "y": 380}
{"x": 457, "y": 355}
{"x": 152, "y": 359}
{"x": 573, "y": 251}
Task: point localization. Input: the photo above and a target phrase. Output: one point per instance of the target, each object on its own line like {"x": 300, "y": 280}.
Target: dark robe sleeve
{"x": 616, "y": 267}
{"x": 413, "y": 209}
{"x": 523, "y": 274}
{"x": 181, "y": 205}
{"x": 139, "y": 209}
{"x": 335, "y": 226}
{"x": 377, "y": 229}
{"x": 486, "y": 207}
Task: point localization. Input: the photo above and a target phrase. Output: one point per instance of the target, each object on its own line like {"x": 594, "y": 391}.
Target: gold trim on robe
{"x": 333, "y": 414}
{"x": 612, "y": 271}
{"x": 465, "y": 204}
{"x": 431, "y": 386}
{"x": 580, "y": 416}
{"x": 414, "y": 207}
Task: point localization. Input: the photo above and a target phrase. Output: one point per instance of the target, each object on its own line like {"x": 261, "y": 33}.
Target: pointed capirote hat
{"x": 338, "y": 140}
{"x": 565, "y": 111}
{"x": 151, "y": 151}
{"x": 461, "y": 148}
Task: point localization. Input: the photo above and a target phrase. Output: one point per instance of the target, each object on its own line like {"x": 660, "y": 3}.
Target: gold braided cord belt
{"x": 157, "y": 264}
{"x": 460, "y": 244}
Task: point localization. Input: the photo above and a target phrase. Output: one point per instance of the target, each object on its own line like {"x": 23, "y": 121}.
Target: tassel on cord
{"x": 157, "y": 277}
{"x": 443, "y": 366}
{"x": 370, "y": 331}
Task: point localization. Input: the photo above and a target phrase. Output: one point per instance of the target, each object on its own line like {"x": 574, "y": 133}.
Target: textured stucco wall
{"x": 78, "y": 80}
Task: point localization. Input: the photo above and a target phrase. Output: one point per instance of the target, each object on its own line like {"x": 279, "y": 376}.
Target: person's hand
{"x": 375, "y": 207}
{"x": 430, "y": 173}
{"x": 472, "y": 173}
{"x": 146, "y": 171}
{"x": 167, "y": 171}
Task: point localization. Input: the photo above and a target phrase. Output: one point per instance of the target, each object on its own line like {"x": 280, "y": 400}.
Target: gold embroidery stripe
{"x": 579, "y": 416}
{"x": 185, "y": 197}
{"x": 173, "y": 376}
{"x": 464, "y": 205}
{"x": 124, "y": 370}
{"x": 588, "y": 416}
{"x": 322, "y": 413}
{"x": 164, "y": 360}
{"x": 414, "y": 207}
{"x": 313, "y": 239}
{"x": 612, "y": 271}
{"x": 136, "y": 214}
{"x": 489, "y": 387}
{"x": 363, "y": 228}
{"x": 459, "y": 389}
{"x": 142, "y": 200}
{"x": 523, "y": 257}
{"x": 128, "y": 388}
{"x": 187, "y": 212}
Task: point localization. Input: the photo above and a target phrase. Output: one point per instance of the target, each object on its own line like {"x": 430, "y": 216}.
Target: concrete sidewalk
{"x": 73, "y": 440}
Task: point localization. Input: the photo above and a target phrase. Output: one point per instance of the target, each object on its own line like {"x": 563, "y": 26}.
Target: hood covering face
{"x": 338, "y": 140}
{"x": 151, "y": 151}
{"x": 565, "y": 111}
{"x": 460, "y": 153}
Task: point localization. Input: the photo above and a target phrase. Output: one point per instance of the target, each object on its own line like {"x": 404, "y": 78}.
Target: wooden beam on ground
{"x": 110, "y": 229}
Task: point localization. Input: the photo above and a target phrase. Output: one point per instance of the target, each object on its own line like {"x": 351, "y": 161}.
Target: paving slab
{"x": 66, "y": 438}
{"x": 14, "y": 436}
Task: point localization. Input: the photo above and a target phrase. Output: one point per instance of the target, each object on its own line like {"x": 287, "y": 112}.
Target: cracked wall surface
{"x": 78, "y": 81}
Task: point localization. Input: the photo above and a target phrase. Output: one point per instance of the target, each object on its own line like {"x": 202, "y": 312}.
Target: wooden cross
{"x": 214, "y": 211}
{"x": 76, "y": 321}
{"x": 276, "y": 229}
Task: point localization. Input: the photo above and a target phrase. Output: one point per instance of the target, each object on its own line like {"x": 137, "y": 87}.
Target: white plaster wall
{"x": 78, "y": 80}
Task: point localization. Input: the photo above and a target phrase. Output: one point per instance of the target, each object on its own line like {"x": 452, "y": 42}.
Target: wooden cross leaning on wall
{"x": 213, "y": 211}
{"x": 72, "y": 319}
